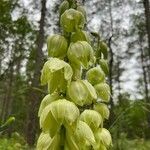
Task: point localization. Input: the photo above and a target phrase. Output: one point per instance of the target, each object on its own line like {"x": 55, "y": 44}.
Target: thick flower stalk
{"x": 73, "y": 112}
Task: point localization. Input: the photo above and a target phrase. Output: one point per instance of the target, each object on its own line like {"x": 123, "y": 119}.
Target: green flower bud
{"x": 81, "y": 92}
{"x": 103, "y": 91}
{"x": 82, "y": 10}
{"x": 103, "y": 136}
{"x": 72, "y": 20}
{"x": 80, "y": 53}
{"x": 95, "y": 75}
{"x": 63, "y": 7}
{"x": 57, "y": 46}
{"x": 92, "y": 118}
{"x": 80, "y": 36}
{"x": 104, "y": 49}
{"x": 102, "y": 109}
{"x": 104, "y": 65}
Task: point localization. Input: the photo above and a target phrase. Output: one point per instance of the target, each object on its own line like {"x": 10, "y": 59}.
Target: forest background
{"x": 123, "y": 24}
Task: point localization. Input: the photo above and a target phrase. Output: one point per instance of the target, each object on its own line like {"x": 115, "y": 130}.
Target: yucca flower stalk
{"x": 73, "y": 112}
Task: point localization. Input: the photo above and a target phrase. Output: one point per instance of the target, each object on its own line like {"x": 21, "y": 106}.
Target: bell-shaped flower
{"x": 103, "y": 137}
{"x": 81, "y": 53}
{"x": 84, "y": 134}
{"x": 81, "y": 92}
{"x": 57, "y": 113}
{"x": 44, "y": 141}
{"x": 57, "y": 46}
{"x": 104, "y": 65}
{"x": 92, "y": 118}
{"x": 72, "y": 20}
{"x": 57, "y": 73}
{"x": 47, "y": 100}
{"x": 103, "y": 91}
{"x": 63, "y": 7}
{"x": 82, "y": 10}
{"x": 80, "y": 35}
{"x": 102, "y": 109}
{"x": 95, "y": 75}
{"x": 103, "y": 49}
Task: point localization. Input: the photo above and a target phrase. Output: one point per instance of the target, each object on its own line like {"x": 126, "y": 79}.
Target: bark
{"x": 6, "y": 109}
{"x": 34, "y": 96}
{"x": 145, "y": 79}
{"x": 144, "y": 72}
{"x": 111, "y": 61}
{"x": 146, "y": 4}
{"x": 118, "y": 79}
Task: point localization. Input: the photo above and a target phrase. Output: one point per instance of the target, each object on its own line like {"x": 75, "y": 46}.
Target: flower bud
{"x": 104, "y": 49}
{"x": 92, "y": 118}
{"x": 77, "y": 92}
{"x": 63, "y": 7}
{"x": 84, "y": 134}
{"x": 82, "y": 10}
{"x": 81, "y": 92}
{"x": 103, "y": 91}
{"x": 104, "y": 65}
{"x": 102, "y": 109}
{"x": 95, "y": 75}
{"x": 57, "y": 46}
{"x": 103, "y": 136}
{"x": 80, "y": 36}
{"x": 72, "y": 20}
{"x": 80, "y": 53}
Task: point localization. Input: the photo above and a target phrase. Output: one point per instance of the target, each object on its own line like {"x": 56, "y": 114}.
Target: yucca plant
{"x": 72, "y": 114}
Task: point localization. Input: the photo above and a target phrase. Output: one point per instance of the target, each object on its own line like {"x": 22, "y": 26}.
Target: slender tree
{"x": 34, "y": 95}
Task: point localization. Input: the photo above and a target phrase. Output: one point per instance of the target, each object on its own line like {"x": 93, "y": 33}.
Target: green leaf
{"x": 92, "y": 118}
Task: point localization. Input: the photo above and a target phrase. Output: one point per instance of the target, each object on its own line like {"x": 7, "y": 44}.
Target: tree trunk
{"x": 8, "y": 96}
{"x": 118, "y": 80}
{"x": 111, "y": 61}
{"x": 34, "y": 96}
{"x": 147, "y": 19}
{"x": 147, "y": 100}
